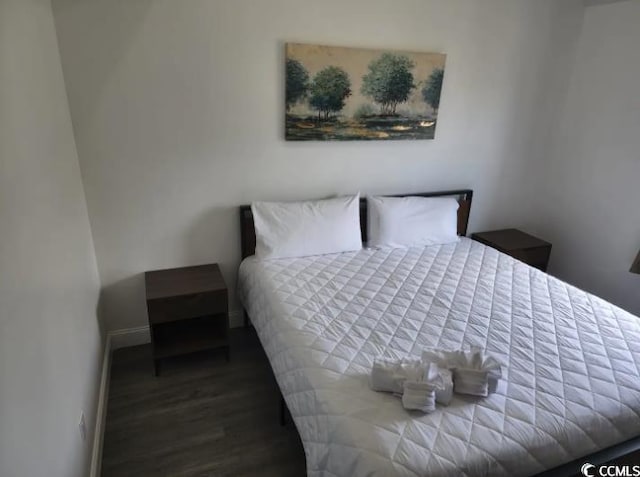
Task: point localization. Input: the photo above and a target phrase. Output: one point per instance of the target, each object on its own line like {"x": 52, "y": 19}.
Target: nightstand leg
{"x": 226, "y": 350}
{"x": 155, "y": 367}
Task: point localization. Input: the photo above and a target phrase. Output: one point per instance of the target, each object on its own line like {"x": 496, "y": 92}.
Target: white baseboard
{"x": 101, "y": 411}
{"x": 129, "y": 337}
{"x": 136, "y": 336}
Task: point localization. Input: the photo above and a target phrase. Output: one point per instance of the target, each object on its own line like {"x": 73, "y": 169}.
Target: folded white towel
{"x": 389, "y": 375}
{"x": 419, "y": 396}
{"x": 435, "y": 377}
{"x": 471, "y": 381}
{"x": 476, "y": 373}
{"x": 444, "y": 393}
{"x": 473, "y": 372}
{"x": 443, "y": 358}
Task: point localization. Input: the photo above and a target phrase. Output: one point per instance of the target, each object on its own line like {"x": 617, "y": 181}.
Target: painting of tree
{"x": 339, "y": 93}
{"x": 433, "y": 88}
{"x": 389, "y": 81}
{"x": 329, "y": 89}
{"x": 297, "y": 82}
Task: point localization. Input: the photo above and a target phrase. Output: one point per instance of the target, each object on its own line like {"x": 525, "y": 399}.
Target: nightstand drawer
{"x": 536, "y": 257}
{"x": 189, "y": 306}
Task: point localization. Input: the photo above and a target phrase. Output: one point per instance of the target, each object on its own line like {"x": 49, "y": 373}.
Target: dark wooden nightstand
{"x": 188, "y": 311}
{"x": 524, "y": 247}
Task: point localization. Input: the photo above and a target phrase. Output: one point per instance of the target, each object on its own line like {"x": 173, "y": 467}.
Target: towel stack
{"x": 419, "y": 383}
{"x": 473, "y": 371}
{"x": 433, "y": 379}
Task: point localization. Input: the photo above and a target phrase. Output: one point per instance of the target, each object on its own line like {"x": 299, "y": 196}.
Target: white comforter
{"x": 571, "y": 380}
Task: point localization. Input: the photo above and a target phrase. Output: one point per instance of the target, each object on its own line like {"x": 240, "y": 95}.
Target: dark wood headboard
{"x": 465, "y": 196}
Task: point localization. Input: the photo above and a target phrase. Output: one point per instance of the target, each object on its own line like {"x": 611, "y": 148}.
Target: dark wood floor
{"x": 201, "y": 417}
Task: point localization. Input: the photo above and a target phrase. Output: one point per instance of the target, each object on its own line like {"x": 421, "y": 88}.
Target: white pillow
{"x": 299, "y": 229}
{"x": 400, "y": 222}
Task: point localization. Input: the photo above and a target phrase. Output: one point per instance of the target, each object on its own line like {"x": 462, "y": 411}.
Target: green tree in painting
{"x": 432, "y": 89}
{"x": 389, "y": 81}
{"x": 297, "y": 82}
{"x": 329, "y": 89}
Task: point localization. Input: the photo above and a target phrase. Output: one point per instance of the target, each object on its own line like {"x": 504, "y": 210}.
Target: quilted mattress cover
{"x": 571, "y": 379}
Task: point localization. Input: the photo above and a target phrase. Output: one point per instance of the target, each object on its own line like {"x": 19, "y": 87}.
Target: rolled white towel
{"x": 471, "y": 381}
{"x": 474, "y": 372}
{"x": 389, "y": 375}
{"x": 419, "y": 396}
{"x": 444, "y": 393}
{"x": 443, "y": 358}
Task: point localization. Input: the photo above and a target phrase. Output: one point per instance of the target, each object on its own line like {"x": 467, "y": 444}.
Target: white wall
{"x": 590, "y": 192}
{"x": 50, "y": 343}
{"x": 178, "y": 106}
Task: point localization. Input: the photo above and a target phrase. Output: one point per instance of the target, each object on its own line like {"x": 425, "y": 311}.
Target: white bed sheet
{"x": 571, "y": 380}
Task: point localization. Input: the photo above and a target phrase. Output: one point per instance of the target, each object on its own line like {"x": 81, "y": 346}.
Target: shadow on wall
{"x": 528, "y": 127}
{"x": 99, "y": 65}
{"x": 123, "y": 304}
{"x": 208, "y": 240}
{"x": 100, "y": 316}
{"x": 211, "y": 236}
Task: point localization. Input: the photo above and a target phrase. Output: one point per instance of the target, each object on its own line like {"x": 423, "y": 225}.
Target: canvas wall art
{"x": 336, "y": 93}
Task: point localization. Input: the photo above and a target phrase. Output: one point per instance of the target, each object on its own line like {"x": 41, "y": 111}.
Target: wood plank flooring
{"x": 202, "y": 417}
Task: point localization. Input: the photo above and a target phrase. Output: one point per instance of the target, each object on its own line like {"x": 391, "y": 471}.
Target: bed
{"x": 570, "y": 391}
